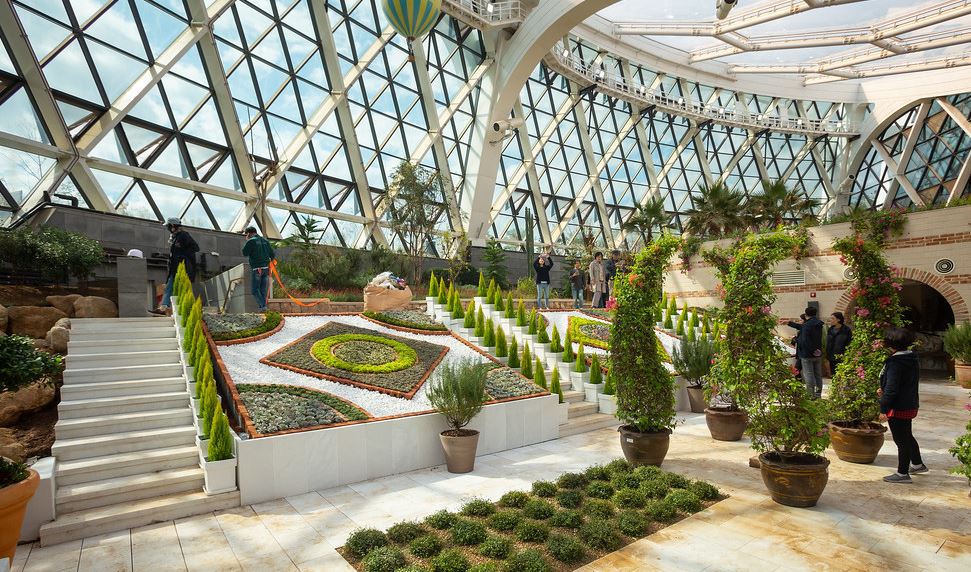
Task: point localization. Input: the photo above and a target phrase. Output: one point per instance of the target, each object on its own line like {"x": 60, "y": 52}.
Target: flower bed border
{"x": 256, "y": 338}
{"x": 573, "y": 324}
{"x": 445, "y": 332}
{"x": 586, "y": 312}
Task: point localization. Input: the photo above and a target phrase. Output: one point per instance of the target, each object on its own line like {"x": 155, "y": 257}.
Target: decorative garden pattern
{"x": 505, "y": 383}
{"x": 227, "y": 327}
{"x": 276, "y": 408}
{"x": 590, "y": 332}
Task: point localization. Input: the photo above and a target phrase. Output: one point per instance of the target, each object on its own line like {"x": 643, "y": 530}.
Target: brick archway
{"x": 958, "y": 305}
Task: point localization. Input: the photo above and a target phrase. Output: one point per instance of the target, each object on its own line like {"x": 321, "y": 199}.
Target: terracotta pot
{"x": 460, "y": 450}
{"x": 794, "y": 479}
{"x": 725, "y": 424}
{"x": 644, "y": 448}
{"x": 13, "y": 505}
{"x": 696, "y": 398}
{"x": 859, "y": 444}
{"x": 962, "y": 374}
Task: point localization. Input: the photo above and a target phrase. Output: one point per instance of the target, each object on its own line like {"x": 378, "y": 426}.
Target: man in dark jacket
{"x": 838, "y": 337}
{"x": 542, "y": 266}
{"x": 899, "y": 383}
{"x": 182, "y": 249}
{"x": 809, "y": 344}
{"x": 260, "y": 254}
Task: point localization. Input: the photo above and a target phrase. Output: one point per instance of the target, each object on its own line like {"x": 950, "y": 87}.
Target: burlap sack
{"x": 378, "y": 299}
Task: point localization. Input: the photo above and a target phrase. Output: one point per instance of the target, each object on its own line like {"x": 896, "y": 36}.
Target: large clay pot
{"x": 460, "y": 450}
{"x": 13, "y": 505}
{"x": 725, "y": 424}
{"x": 962, "y": 374}
{"x": 855, "y": 442}
{"x": 644, "y": 448}
{"x": 696, "y": 398}
{"x": 796, "y": 479}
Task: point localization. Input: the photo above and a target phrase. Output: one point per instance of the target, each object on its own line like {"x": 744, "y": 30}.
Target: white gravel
{"x": 243, "y": 363}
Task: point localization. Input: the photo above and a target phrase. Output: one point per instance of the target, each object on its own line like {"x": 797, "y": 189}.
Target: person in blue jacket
{"x": 260, "y": 254}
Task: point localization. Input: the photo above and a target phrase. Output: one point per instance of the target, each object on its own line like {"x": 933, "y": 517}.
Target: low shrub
{"x": 404, "y": 532}
{"x": 597, "y": 473}
{"x": 676, "y": 481}
{"x": 647, "y": 472}
{"x": 566, "y": 519}
{"x": 660, "y": 511}
{"x": 504, "y": 520}
{"x": 619, "y": 466}
{"x": 704, "y": 490}
{"x": 514, "y": 499}
{"x": 467, "y": 532}
{"x": 414, "y": 568}
{"x": 478, "y": 507}
{"x": 425, "y": 546}
{"x": 323, "y": 350}
{"x": 599, "y": 508}
{"x": 528, "y": 560}
{"x": 629, "y": 498}
{"x": 485, "y": 567}
{"x": 571, "y": 481}
{"x": 625, "y": 481}
{"x": 565, "y": 548}
{"x": 544, "y": 489}
{"x": 441, "y": 520}
{"x": 655, "y": 489}
{"x": 23, "y": 364}
{"x": 532, "y": 531}
{"x": 632, "y": 523}
{"x": 600, "y": 535}
{"x": 495, "y": 547}
{"x": 401, "y": 319}
{"x": 384, "y": 559}
{"x": 539, "y": 509}
{"x": 683, "y": 500}
{"x": 451, "y": 560}
{"x": 569, "y": 499}
{"x": 600, "y": 490}
{"x": 364, "y": 540}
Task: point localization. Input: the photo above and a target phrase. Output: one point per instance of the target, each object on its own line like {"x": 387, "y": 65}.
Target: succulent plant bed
{"x": 408, "y": 319}
{"x": 325, "y": 353}
{"x": 277, "y": 408}
{"x": 599, "y": 313}
{"x": 228, "y": 327}
{"x": 505, "y": 383}
{"x": 590, "y": 332}
{"x": 555, "y": 527}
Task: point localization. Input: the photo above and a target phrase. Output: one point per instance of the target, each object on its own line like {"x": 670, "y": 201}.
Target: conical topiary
{"x": 691, "y": 337}
{"x": 469, "y": 316}
{"x": 433, "y": 286}
{"x": 221, "y": 439}
{"x": 510, "y": 309}
{"x": 481, "y": 292}
{"x": 480, "y": 323}
{"x": 500, "y": 306}
{"x": 442, "y": 294}
{"x": 694, "y": 319}
{"x": 664, "y": 300}
{"x": 596, "y": 374}
{"x": 680, "y": 330}
{"x": 556, "y": 346}
{"x": 210, "y": 402}
{"x": 555, "y": 384}
{"x": 451, "y": 296}
{"x": 609, "y": 387}
{"x": 580, "y": 365}
{"x": 568, "y": 355}
{"x": 521, "y": 315}
{"x": 457, "y": 312}
{"x": 684, "y": 310}
{"x": 491, "y": 292}
{"x": 527, "y": 368}
{"x": 539, "y": 375}
{"x": 489, "y": 339}
{"x": 199, "y": 347}
{"x": 513, "y": 351}
{"x": 705, "y": 326}
{"x": 672, "y": 305}
{"x": 185, "y": 308}
{"x": 541, "y": 335}
{"x": 532, "y": 323}
{"x": 668, "y": 322}
{"x": 501, "y": 349}
{"x": 659, "y": 314}
{"x": 202, "y": 379}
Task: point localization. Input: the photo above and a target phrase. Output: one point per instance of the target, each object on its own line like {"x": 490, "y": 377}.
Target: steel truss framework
{"x": 233, "y": 111}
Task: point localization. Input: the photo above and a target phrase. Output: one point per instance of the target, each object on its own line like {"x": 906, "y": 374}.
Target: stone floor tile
{"x": 56, "y": 558}
{"x": 20, "y": 557}
{"x": 155, "y": 548}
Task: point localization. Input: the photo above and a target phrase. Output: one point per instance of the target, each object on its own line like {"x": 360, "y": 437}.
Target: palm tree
{"x": 776, "y": 204}
{"x": 717, "y": 211}
{"x": 648, "y": 216}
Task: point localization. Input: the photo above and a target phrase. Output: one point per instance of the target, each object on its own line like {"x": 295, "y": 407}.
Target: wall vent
{"x": 849, "y": 275}
{"x": 944, "y": 266}
{"x": 790, "y": 278}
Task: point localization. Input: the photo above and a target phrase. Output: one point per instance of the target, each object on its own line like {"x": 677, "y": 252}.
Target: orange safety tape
{"x": 276, "y": 276}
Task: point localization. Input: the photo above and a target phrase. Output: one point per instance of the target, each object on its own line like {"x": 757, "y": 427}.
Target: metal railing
{"x": 485, "y": 14}
{"x": 566, "y": 63}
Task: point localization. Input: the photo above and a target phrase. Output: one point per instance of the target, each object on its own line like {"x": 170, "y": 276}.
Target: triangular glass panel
{"x": 196, "y": 215}
{"x": 136, "y": 205}
{"x": 143, "y": 141}
{"x": 171, "y": 201}
{"x": 161, "y": 28}
{"x": 170, "y": 161}
{"x": 42, "y": 34}
{"x": 116, "y": 70}
{"x": 111, "y": 148}
{"x": 17, "y": 116}
{"x": 183, "y": 96}
{"x": 226, "y": 176}
{"x": 114, "y": 185}
{"x": 68, "y": 72}
{"x": 116, "y": 26}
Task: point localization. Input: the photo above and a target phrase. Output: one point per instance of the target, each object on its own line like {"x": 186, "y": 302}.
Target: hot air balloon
{"x": 412, "y": 18}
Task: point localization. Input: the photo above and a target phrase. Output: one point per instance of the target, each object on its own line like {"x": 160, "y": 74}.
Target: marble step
{"x": 101, "y": 445}
{"x": 588, "y": 423}
{"x": 84, "y": 391}
{"x": 125, "y": 464}
{"x": 119, "y": 359}
{"x": 102, "y": 520}
{"x": 100, "y": 406}
{"x": 122, "y": 490}
{"x": 122, "y": 332}
{"x": 570, "y": 396}
{"x": 118, "y": 346}
{"x": 122, "y": 373}
{"x": 122, "y": 423}
{"x": 582, "y": 408}
{"x": 84, "y": 325}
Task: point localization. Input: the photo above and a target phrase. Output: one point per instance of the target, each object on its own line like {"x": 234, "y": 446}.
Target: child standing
{"x": 898, "y": 391}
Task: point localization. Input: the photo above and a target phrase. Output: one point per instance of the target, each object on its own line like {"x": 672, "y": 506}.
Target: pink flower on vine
{"x": 885, "y": 300}
{"x": 795, "y": 372}
{"x": 861, "y": 372}
{"x": 862, "y": 312}
{"x": 876, "y": 345}
{"x": 842, "y": 259}
{"x": 898, "y": 286}
{"x": 967, "y": 406}
{"x": 766, "y": 309}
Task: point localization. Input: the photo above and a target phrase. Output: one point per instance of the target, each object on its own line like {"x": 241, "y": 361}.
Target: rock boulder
{"x": 57, "y": 339}
{"x": 64, "y": 303}
{"x": 63, "y": 323}
{"x": 32, "y": 321}
{"x": 27, "y": 400}
{"x": 94, "y": 307}
{"x": 10, "y": 447}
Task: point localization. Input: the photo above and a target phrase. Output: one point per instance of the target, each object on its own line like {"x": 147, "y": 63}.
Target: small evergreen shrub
{"x": 566, "y": 519}
{"x": 555, "y": 387}
{"x": 527, "y": 561}
{"x": 600, "y": 490}
{"x": 364, "y": 540}
{"x": 504, "y": 520}
{"x": 676, "y": 481}
{"x": 532, "y": 531}
{"x": 489, "y": 340}
{"x": 647, "y": 472}
{"x": 404, "y": 532}
{"x": 521, "y": 315}
{"x": 568, "y": 355}
{"x": 597, "y": 473}
{"x": 478, "y": 507}
{"x": 441, "y": 520}
{"x": 502, "y": 348}
{"x": 683, "y": 500}
{"x": 469, "y": 320}
{"x": 384, "y": 559}
{"x": 539, "y": 378}
{"x": 510, "y": 309}
{"x": 527, "y": 359}
{"x": 704, "y": 490}
{"x": 571, "y": 481}
{"x": 485, "y": 567}
{"x": 569, "y": 499}
{"x": 433, "y": 286}
{"x": 451, "y": 560}
{"x": 619, "y": 466}
{"x": 538, "y": 509}
{"x": 660, "y": 511}
{"x": 479, "y": 323}
{"x": 580, "y": 366}
{"x": 514, "y": 499}
{"x": 533, "y": 328}
{"x": 599, "y": 508}
{"x": 565, "y": 548}
{"x": 625, "y": 481}
{"x": 544, "y": 489}
{"x": 632, "y": 523}
{"x": 556, "y": 344}
{"x": 654, "y": 488}
{"x": 220, "y": 445}
{"x": 495, "y": 547}
{"x": 513, "y": 350}
{"x": 629, "y": 498}
{"x": 600, "y": 535}
{"x": 481, "y": 292}
{"x": 425, "y": 546}
{"x": 467, "y": 532}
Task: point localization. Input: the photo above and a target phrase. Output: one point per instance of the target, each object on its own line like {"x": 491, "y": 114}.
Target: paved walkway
{"x": 860, "y": 523}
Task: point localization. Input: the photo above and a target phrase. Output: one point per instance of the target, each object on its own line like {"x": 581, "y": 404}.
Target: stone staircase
{"x": 124, "y": 439}
{"x": 583, "y": 416}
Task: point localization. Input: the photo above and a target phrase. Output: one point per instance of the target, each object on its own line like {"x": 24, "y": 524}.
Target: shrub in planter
{"x": 556, "y": 345}
{"x": 539, "y": 378}
{"x": 443, "y": 294}
{"x": 565, "y": 548}
{"x": 459, "y": 396}
{"x": 568, "y": 355}
{"x": 468, "y": 321}
{"x": 364, "y": 540}
{"x": 208, "y": 408}
{"x": 596, "y": 371}
{"x": 425, "y": 546}
{"x": 580, "y": 365}
{"x": 532, "y": 531}
{"x": 489, "y": 339}
{"x": 541, "y": 336}
{"x": 495, "y": 547}
{"x": 504, "y": 520}
{"x": 957, "y": 342}
{"x": 692, "y": 360}
{"x": 521, "y": 321}
{"x": 668, "y": 322}
{"x": 599, "y": 534}
{"x": 457, "y": 312}
{"x": 680, "y": 330}
{"x": 514, "y": 499}
{"x": 480, "y": 324}
{"x": 510, "y": 309}
{"x": 433, "y": 286}
{"x": 555, "y": 387}
{"x": 645, "y": 391}
{"x": 404, "y": 532}
{"x": 502, "y": 349}
{"x": 962, "y": 452}
{"x": 527, "y": 359}
{"x": 513, "y": 351}
{"x": 482, "y": 291}
{"x": 221, "y": 441}
{"x": 451, "y": 560}
{"x": 384, "y": 559}
{"x": 533, "y": 324}
{"x": 497, "y": 301}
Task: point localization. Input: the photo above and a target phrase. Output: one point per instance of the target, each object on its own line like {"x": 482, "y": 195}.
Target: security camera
{"x": 723, "y": 7}
{"x": 507, "y": 125}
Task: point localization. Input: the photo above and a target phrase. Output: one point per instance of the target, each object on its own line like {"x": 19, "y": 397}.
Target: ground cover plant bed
{"x": 276, "y": 408}
{"x": 228, "y": 327}
{"x": 504, "y": 383}
{"x": 599, "y": 313}
{"x": 556, "y": 527}
{"x": 590, "y": 332}
{"x": 364, "y": 358}
{"x": 408, "y": 319}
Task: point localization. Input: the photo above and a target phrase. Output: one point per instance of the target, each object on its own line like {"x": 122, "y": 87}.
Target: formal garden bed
{"x": 235, "y": 327}
{"x": 589, "y": 332}
{"x": 409, "y": 320}
{"x": 506, "y": 383}
{"x": 599, "y": 313}
{"x": 278, "y": 408}
{"x": 554, "y": 527}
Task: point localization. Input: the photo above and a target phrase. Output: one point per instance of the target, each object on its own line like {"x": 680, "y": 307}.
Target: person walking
{"x": 899, "y": 402}
{"x": 260, "y": 254}
{"x": 577, "y": 284}
{"x": 612, "y": 267}
{"x": 598, "y": 279}
{"x": 182, "y": 249}
{"x": 809, "y": 350}
{"x": 542, "y": 266}
{"x": 838, "y": 337}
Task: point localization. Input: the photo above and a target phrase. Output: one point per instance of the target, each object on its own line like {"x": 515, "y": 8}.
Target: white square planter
{"x": 563, "y": 410}
{"x": 440, "y": 312}
{"x": 591, "y": 390}
{"x": 538, "y": 352}
{"x": 220, "y": 475}
{"x": 191, "y": 388}
{"x": 430, "y": 304}
{"x": 479, "y": 300}
{"x": 564, "y": 368}
{"x": 190, "y": 373}
{"x": 477, "y": 340}
{"x": 196, "y": 404}
{"x": 520, "y": 332}
{"x": 203, "y": 445}
{"x": 504, "y": 359}
{"x": 464, "y": 332}
{"x": 608, "y": 404}
{"x": 578, "y": 379}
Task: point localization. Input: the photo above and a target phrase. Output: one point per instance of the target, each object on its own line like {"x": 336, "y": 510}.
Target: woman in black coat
{"x": 899, "y": 388}
{"x": 838, "y": 338}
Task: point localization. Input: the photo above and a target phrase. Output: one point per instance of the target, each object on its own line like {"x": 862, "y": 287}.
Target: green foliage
{"x": 538, "y": 509}
{"x": 580, "y": 365}
{"x": 470, "y": 314}
{"x": 12, "y": 472}
{"x": 270, "y": 321}
{"x": 556, "y": 346}
{"x": 693, "y": 359}
{"x": 52, "y": 252}
{"x": 962, "y": 452}
{"x": 660, "y": 511}
{"x": 528, "y": 560}
{"x": 555, "y": 387}
{"x": 600, "y": 490}
{"x": 692, "y": 335}
{"x": 485, "y": 567}
{"x": 565, "y": 548}
{"x": 207, "y": 409}
{"x": 443, "y": 294}
{"x": 433, "y": 286}
{"x": 460, "y": 391}
{"x": 632, "y": 523}
{"x": 441, "y": 520}
{"x": 480, "y": 323}
{"x": 599, "y": 534}
{"x": 467, "y": 532}
{"x": 957, "y": 342}
{"x": 510, "y": 308}
{"x": 532, "y": 531}
{"x": 23, "y": 364}
{"x": 500, "y": 306}
{"x": 675, "y": 480}
{"x": 572, "y": 481}
{"x": 596, "y": 372}
{"x": 502, "y": 349}
{"x": 478, "y": 507}
{"x": 610, "y": 388}
{"x": 566, "y": 519}
{"x": 414, "y": 202}
{"x": 489, "y": 337}
{"x": 619, "y": 467}
{"x": 514, "y": 499}
{"x": 597, "y": 473}
{"x": 704, "y": 490}
{"x": 513, "y": 351}
{"x": 625, "y": 481}
{"x": 668, "y": 322}
{"x": 221, "y": 439}
{"x": 569, "y": 498}
{"x": 680, "y": 330}
{"x": 405, "y": 531}
{"x": 491, "y": 292}
{"x": 425, "y": 546}
{"x": 672, "y": 306}
{"x": 451, "y": 560}
{"x": 457, "y": 312}
{"x": 521, "y": 314}
{"x": 541, "y": 336}
{"x": 630, "y": 498}
{"x": 568, "y": 355}
{"x": 544, "y": 489}
{"x": 533, "y": 323}
{"x": 482, "y": 291}
{"x": 539, "y": 377}
{"x": 683, "y": 500}
{"x": 384, "y": 559}
{"x": 654, "y": 488}
{"x": 323, "y": 350}
{"x": 495, "y": 547}
{"x": 504, "y": 520}
{"x": 364, "y": 540}
{"x": 599, "y": 508}
{"x": 527, "y": 359}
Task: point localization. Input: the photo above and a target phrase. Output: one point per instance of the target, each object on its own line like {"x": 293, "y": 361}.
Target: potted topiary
{"x": 607, "y": 400}
{"x": 219, "y": 462}
{"x": 568, "y": 359}
{"x": 502, "y": 350}
{"x": 513, "y": 351}
{"x": 594, "y": 385}
{"x": 580, "y": 374}
{"x": 489, "y": 335}
{"x": 532, "y": 333}
{"x": 459, "y": 395}
{"x": 480, "y": 324}
{"x": 645, "y": 390}
{"x": 468, "y": 322}
{"x": 480, "y": 295}
{"x": 556, "y": 348}
{"x": 522, "y": 322}
{"x": 957, "y": 342}
{"x": 692, "y": 360}
{"x": 22, "y": 365}
{"x": 509, "y": 316}
{"x": 458, "y": 314}
{"x": 441, "y": 302}
{"x": 432, "y": 295}
{"x": 563, "y": 410}
{"x": 543, "y": 342}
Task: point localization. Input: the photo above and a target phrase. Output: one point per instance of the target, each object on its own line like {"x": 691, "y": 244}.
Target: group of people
{"x": 809, "y": 346}
{"x": 597, "y": 278}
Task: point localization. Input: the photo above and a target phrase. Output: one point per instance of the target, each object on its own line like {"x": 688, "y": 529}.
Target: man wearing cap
{"x": 260, "y": 254}
{"x": 182, "y": 248}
